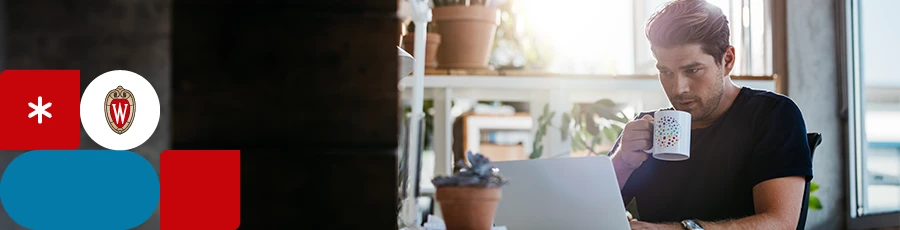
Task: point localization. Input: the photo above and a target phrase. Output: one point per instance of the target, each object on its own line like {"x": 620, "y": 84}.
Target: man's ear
{"x": 728, "y": 60}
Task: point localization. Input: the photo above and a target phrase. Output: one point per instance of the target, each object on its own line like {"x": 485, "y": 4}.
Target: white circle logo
{"x": 120, "y": 110}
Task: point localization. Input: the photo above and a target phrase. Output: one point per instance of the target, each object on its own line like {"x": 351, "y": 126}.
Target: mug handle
{"x": 649, "y": 151}
{"x": 653, "y": 139}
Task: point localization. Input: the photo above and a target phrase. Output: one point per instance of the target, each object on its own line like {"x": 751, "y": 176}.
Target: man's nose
{"x": 682, "y": 84}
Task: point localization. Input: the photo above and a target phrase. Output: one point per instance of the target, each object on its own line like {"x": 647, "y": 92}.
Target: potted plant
{"x": 432, "y": 42}
{"x": 589, "y": 125}
{"x": 469, "y": 198}
{"x": 467, "y": 29}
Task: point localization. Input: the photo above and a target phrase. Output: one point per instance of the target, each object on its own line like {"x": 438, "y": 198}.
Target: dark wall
{"x": 308, "y": 91}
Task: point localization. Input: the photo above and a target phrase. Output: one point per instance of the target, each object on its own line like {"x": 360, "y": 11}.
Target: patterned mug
{"x": 671, "y": 135}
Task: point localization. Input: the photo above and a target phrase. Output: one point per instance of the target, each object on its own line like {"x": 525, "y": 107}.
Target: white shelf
{"x": 476, "y": 123}
{"x": 538, "y": 82}
{"x": 559, "y": 93}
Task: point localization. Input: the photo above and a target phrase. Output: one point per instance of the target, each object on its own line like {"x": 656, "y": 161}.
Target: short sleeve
{"x": 781, "y": 148}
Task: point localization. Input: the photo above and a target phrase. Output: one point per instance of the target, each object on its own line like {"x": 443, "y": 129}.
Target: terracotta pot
{"x": 468, "y": 208}
{"x": 467, "y": 33}
{"x": 432, "y": 42}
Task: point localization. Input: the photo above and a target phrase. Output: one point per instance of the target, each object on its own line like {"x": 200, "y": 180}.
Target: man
{"x": 749, "y": 156}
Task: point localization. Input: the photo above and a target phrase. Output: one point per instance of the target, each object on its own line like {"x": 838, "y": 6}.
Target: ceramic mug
{"x": 671, "y": 135}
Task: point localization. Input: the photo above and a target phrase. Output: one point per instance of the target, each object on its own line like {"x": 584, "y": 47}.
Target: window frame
{"x": 851, "y": 114}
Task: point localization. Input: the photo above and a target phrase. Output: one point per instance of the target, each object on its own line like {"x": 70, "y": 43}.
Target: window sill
{"x": 875, "y": 221}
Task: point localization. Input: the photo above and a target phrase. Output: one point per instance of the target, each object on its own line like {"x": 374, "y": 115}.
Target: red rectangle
{"x": 39, "y": 109}
{"x": 200, "y": 189}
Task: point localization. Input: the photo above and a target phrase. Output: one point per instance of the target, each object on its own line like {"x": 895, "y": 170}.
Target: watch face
{"x": 691, "y": 225}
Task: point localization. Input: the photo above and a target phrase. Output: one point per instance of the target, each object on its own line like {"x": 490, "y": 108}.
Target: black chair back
{"x": 814, "y": 140}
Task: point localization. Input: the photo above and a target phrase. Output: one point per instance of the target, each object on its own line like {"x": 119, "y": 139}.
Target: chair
{"x": 814, "y": 140}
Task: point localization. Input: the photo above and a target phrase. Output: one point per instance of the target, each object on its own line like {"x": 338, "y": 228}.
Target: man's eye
{"x": 693, "y": 70}
{"x": 665, "y": 73}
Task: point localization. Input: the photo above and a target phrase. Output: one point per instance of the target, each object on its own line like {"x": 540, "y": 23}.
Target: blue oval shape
{"x": 79, "y": 189}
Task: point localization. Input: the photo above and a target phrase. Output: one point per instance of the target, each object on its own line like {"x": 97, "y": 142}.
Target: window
{"x": 874, "y": 109}
{"x": 606, "y": 37}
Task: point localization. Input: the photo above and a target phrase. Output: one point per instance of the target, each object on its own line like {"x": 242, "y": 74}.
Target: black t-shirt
{"x": 761, "y": 137}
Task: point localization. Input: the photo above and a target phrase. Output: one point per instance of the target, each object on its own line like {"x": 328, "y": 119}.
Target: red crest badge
{"x": 120, "y": 109}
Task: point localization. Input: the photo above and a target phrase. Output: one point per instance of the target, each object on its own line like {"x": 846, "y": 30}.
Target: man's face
{"x": 691, "y": 78}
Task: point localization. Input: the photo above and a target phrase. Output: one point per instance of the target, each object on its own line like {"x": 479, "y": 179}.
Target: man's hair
{"x": 682, "y": 22}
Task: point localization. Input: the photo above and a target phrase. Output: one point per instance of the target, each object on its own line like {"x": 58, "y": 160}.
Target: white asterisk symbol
{"x": 40, "y": 109}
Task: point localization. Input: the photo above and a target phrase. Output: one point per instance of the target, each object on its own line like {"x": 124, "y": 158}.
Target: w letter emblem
{"x": 120, "y": 109}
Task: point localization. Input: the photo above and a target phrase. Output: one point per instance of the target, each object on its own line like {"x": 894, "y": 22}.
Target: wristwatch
{"x": 691, "y": 225}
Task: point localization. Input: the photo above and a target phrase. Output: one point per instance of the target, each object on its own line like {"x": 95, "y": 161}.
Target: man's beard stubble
{"x": 708, "y": 104}
{"x": 712, "y": 102}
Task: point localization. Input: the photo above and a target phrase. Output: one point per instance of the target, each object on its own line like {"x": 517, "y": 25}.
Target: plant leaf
{"x": 576, "y": 110}
{"x": 611, "y": 134}
{"x": 814, "y": 203}
{"x": 584, "y": 133}
{"x": 537, "y": 152}
{"x": 621, "y": 118}
{"x": 564, "y": 128}
{"x": 542, "y": 121}
{"x": 578, "y": 142}
{"x": 606, "y": 103}
{"x": 540, "y": 133}
{"x": 591, "y": 126}
{"x": 606, "y": 113}
{"x": 813, "y": 187}
{"x": 617, "y": 129}
{"x": 586, "y": 107}
{"x": 536, "y": 148}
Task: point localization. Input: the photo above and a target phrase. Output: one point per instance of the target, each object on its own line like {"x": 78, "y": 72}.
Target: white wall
{"x": 814, "y": 86}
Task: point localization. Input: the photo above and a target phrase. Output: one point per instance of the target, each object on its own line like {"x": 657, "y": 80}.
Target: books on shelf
{"x": 505, "y": 137}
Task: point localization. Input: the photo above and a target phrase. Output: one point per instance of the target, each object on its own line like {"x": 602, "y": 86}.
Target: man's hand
{"x": 635, "y": 224}
{"x": 638, "y": 225}
{"x": 637, "y": 136}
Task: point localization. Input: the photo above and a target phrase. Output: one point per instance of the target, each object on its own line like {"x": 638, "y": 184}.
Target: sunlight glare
{"x": 586, "y": 36}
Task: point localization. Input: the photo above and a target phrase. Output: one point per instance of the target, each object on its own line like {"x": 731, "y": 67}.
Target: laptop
{"x": 560, "y": 193}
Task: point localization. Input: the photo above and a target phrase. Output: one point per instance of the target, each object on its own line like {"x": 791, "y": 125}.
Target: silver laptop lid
{"x": 561, "y": 193}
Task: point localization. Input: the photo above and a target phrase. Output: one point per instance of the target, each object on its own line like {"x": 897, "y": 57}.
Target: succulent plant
{"x": 480, "y": 174}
